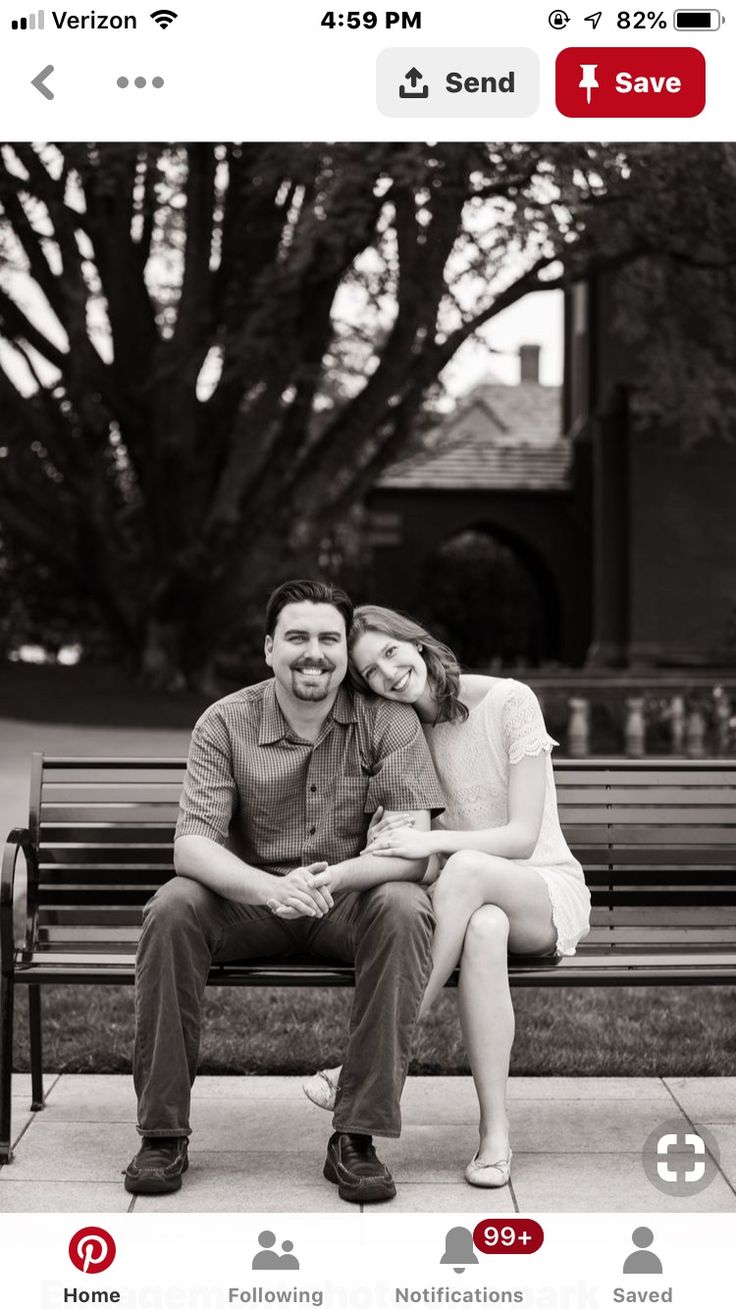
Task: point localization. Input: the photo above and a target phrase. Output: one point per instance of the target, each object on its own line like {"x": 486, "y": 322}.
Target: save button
{"x": 630, "y": 82}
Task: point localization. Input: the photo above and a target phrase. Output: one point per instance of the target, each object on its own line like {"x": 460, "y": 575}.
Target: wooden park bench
{"x": 655, "y": 837}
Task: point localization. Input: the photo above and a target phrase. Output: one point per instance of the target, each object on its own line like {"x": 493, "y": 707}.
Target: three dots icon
{"x": 140, "y": 82}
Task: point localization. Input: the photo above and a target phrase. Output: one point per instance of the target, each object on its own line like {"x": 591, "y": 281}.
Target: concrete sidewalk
{"x": 258, "y": 1146}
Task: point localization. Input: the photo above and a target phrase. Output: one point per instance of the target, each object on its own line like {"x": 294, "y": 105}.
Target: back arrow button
{"x": 39, "y": 80}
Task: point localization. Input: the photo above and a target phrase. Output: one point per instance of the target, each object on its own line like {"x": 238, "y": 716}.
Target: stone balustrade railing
{"x": 693, "y": 730}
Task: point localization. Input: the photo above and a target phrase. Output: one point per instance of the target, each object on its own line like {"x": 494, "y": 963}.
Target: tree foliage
{"x": 208, "y": 353}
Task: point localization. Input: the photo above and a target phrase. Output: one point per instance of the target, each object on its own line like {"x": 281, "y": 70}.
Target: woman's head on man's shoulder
{"x": 394, "y": 656}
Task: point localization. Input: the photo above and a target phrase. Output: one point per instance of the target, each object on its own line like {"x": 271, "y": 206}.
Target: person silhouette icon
{"x": 642, "y": 1260}
{"x": 266, "y": 1257}
{"x": 288, "y": 1260}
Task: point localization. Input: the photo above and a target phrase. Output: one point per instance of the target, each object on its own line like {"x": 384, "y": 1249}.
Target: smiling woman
{"x": 503, "y": 879}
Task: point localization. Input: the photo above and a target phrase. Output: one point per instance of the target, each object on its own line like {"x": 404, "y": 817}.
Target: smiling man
{"x": 281, "y": 780}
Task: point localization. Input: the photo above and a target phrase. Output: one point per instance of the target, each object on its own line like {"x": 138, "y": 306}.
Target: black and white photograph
{"x": 368, "y": 678}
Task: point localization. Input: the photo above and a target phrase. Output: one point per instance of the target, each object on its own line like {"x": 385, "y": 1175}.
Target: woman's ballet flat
{"x": 321, "y": 1089}
{"x": 497, "y": 1174}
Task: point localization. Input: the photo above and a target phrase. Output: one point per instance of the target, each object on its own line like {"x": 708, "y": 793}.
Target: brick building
{"x": 627, "y": 536}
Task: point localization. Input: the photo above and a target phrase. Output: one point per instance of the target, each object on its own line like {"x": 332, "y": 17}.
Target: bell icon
{"x": 459, "y": 1249}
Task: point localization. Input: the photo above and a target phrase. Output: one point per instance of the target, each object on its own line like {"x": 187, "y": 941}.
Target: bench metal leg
{"x": 34, "y": 1028}
{"x": 6, "y": 1066}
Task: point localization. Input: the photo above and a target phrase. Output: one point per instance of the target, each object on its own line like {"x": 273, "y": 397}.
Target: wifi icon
{"x": 164, "y": 18}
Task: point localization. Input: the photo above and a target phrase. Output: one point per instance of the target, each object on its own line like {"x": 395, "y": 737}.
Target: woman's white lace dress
{"x": 472, "y": 760}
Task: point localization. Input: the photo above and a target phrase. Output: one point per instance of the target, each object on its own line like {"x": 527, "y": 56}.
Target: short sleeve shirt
{"x": 279, "y": 801}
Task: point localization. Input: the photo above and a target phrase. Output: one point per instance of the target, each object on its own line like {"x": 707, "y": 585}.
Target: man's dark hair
{"x": 304, "y": 588}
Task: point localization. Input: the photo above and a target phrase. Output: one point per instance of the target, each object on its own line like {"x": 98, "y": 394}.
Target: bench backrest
{"x": 657, "y": 840}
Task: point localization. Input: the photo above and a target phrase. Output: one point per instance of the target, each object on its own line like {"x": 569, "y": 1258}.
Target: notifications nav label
{"x": 630, "y": 82}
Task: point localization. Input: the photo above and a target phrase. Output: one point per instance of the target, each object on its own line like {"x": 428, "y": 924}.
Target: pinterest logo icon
{"x": 91, "y": 1249}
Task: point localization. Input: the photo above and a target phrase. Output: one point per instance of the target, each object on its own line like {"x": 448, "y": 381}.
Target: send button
{"x": 434, "y": 82}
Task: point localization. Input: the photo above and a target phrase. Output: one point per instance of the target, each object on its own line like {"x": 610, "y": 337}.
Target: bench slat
{"x": 173, "y": 773}
{"x": 714, "y": 877}
{"x": 671, "y": 937}
{"x": 697, "y": 897}
{"x": 159, "y": 832}
{"x": 126, "y": 927}
{"x": 616, "y": 833}
{"x": 666, "y": 915}
{"x": 162, "y": 813}
{"x": 588, "y": 954}
{"x": 119, "y": 792}
{"x": 647, "y": 795}
{"x": 649, "y": 773}
{"x": 665, "y": 856}
{"x": 720, "y": 908}
{"x": 632, "y": 874}
{"x": 96, "y": 936}
{"x": 66, "y": 899}
{"x": 642, "y": 815}
{"x": 137, "y": 884}
{"x": 74, "y": 856}
{"x": 86, "y": 877}
{"x": 114, "y": 867}
{"x": 106, "y": 890}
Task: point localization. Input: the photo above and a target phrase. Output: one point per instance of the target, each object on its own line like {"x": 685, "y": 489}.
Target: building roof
{"x": 500, "y": 438}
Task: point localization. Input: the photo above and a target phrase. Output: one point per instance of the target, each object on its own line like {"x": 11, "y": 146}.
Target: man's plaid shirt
{"x": 279, "y": 801}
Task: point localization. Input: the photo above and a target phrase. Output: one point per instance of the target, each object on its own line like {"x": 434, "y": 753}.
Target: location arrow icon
{"x": 40, "y": 79}
{"x": 594, "y": 18}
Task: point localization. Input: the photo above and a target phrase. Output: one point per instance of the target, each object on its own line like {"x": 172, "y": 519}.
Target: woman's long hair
{"x": 443, "y": 670}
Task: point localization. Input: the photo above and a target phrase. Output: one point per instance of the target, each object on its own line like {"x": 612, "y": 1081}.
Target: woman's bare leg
{"x": 484, "y": 906}
{"x": 470, "y": 880}
{"x": 487, "y": 1022}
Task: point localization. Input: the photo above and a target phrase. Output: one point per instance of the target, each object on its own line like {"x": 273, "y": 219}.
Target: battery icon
{"x": 697, "y": 20}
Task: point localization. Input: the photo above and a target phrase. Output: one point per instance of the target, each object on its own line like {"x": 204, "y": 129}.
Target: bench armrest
{"x": 19, "y": 839}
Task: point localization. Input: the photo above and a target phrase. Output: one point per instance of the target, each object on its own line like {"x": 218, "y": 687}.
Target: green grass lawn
{"x": 599, "y": 1032}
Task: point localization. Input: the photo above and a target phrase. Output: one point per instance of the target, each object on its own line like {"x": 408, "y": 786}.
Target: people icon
{"x": 268, "y": 1258}
{"x": 642, "y": 1260}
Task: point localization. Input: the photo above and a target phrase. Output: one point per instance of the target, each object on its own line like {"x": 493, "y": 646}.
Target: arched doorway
{"x": 491, "y": 601}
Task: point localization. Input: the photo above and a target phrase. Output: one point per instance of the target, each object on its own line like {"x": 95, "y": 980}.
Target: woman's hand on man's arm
{"x": 368, "y": 870}
{"x": 397, "y": 835}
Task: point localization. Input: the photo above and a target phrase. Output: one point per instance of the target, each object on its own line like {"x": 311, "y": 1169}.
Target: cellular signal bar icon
{"x": 34, "y": 22}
